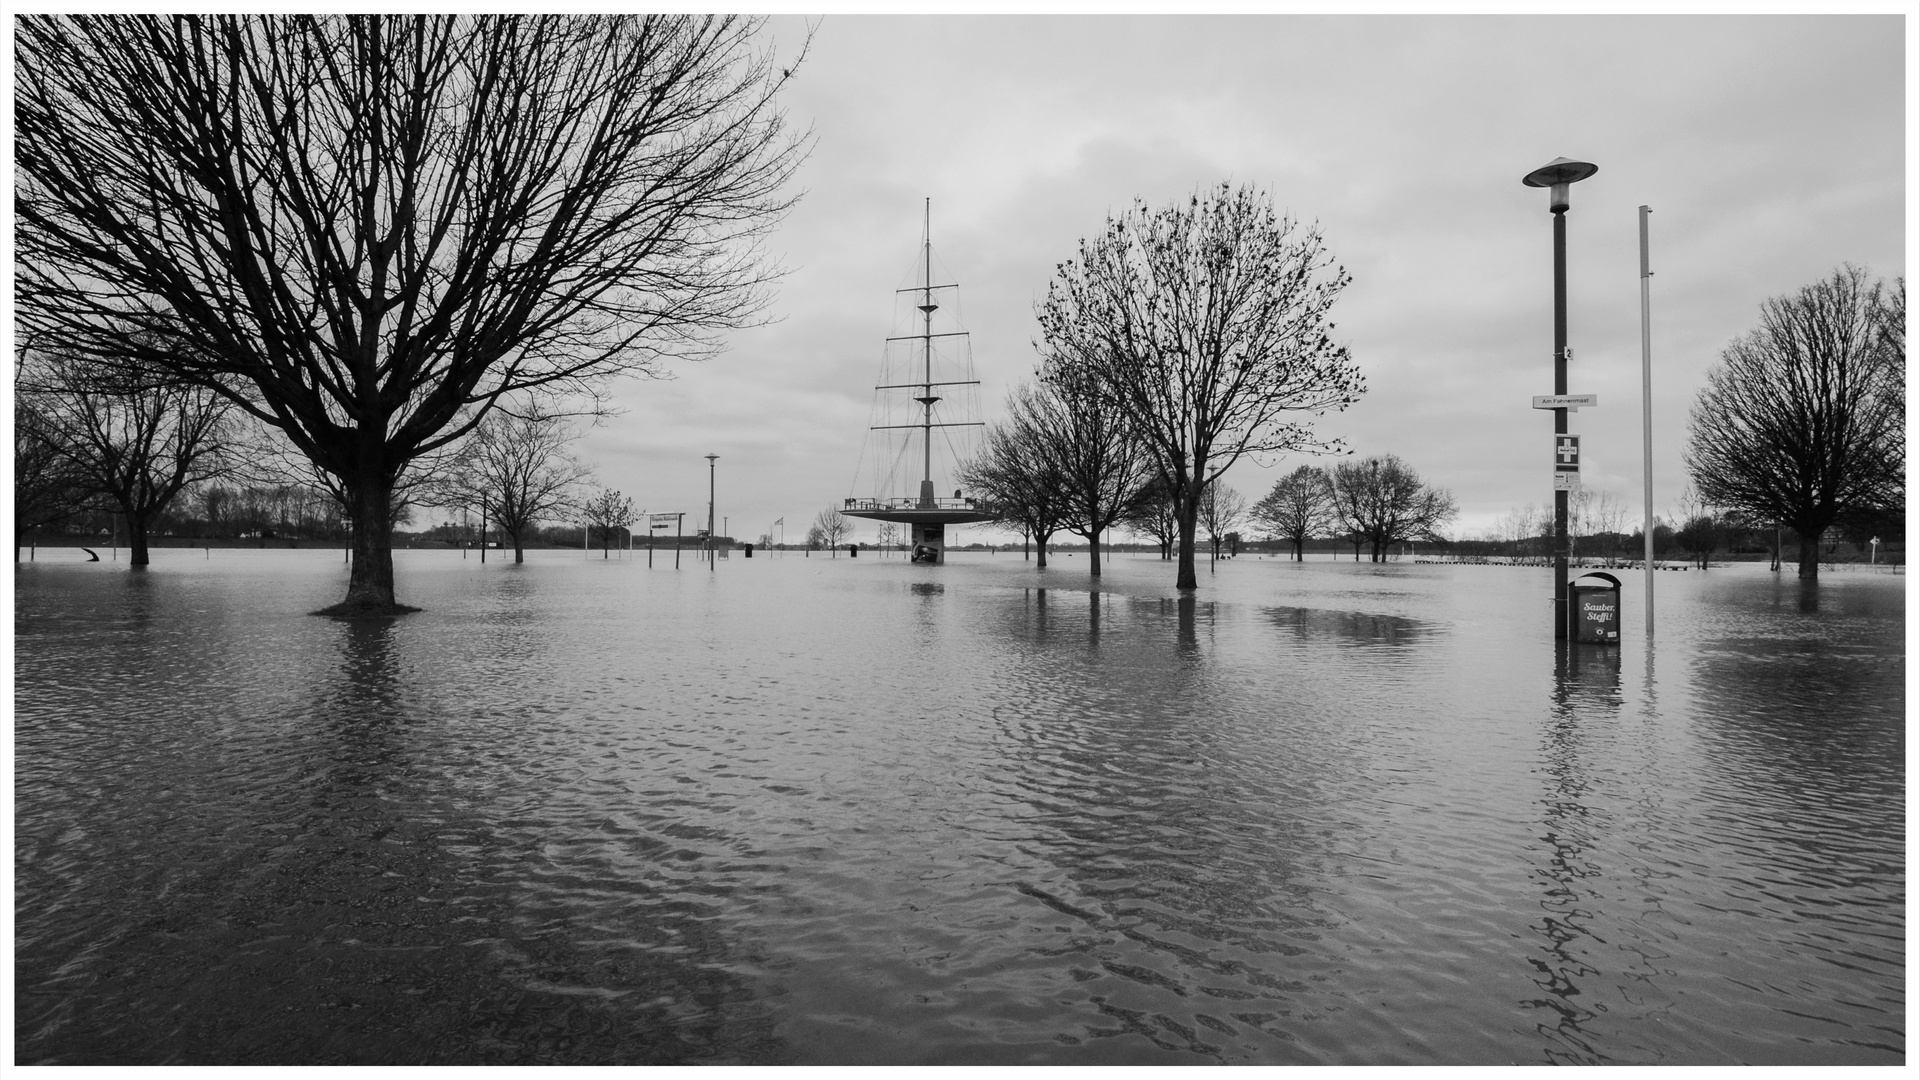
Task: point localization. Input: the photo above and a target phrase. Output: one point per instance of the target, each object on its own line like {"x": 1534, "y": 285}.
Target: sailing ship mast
{"x": 928, "y": 515}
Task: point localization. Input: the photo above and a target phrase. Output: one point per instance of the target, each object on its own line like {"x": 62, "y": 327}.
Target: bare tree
{"x": 1221, "y": 509}
{"x": 607, "y": 513}
{"x": 832, "y": 527}
{"x": 1019, "y": 470}
{"x": 1381, "y": 501}
{"x": 1524, "y": 526}
{"x": 1596, "y": 517}
{"x": 1207, "y": 322}
{"x": 1803, "y": 420}
{"x": 132, "y": 445}
{"x": 517, "y": 470}
{"x": 1154, "y": 515}
{"x": 1077, "y": 438}
{"x": 1299, "y": 507}
{"x": 47, "y": 489}
{"x": 368, "y": 229}
{"x": 1700, "y": 527}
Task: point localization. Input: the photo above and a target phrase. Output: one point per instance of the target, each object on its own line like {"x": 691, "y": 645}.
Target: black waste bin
{"x": 1594, "y": 606}
{"x": 749, "y": 548}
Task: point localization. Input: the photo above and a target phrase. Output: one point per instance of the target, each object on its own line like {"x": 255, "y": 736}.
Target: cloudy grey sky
{"x": 1770, "y": 147}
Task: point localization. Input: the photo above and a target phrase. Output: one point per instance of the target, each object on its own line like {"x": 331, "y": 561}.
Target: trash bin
{"x": 853, "y": 551}
{"x": 749, "y": 548}
{"x": 1594, "y": 603}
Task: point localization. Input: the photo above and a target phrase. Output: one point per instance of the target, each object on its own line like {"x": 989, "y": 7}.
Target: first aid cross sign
{"x": 1566, "y": 453}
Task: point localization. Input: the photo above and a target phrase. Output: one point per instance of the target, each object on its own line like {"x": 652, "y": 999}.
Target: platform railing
{"x": 918, "y": 504}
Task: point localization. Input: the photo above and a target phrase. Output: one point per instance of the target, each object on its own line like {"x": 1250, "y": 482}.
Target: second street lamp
{"x": 712, "y": 552}
{"x": 1557, "y": 175}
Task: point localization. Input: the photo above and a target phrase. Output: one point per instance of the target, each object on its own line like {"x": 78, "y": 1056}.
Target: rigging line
{"x": 893, "y": 473}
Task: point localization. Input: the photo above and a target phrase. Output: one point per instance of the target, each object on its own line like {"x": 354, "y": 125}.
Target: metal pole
{"x": 926, "y": 353}
{"x": 1646, "y": 404}
{"x": 711, "y": 459}
{"x": 1560, "y": 545}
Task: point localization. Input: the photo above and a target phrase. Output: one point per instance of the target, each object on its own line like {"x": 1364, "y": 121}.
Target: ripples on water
{"x": 852, "y": 811}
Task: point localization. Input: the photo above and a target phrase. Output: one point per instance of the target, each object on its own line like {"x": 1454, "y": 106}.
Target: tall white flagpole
{"x": 1646, "y": 404}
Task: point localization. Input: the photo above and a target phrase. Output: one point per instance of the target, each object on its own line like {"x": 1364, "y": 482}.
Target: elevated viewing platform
{"x": 921, "y": 511}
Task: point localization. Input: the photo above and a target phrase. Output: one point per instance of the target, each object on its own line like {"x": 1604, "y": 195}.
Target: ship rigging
{"x": 927, "y": 514}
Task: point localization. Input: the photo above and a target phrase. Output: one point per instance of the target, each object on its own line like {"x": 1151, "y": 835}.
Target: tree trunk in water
{"x": 1809, "y": 554}
{"x": 1185, "y": 577}
{"x": 1040, "y": 545}
{"x": 137, "y": 542}
{"x": 1093, "y": 554}
{"x": 370, "y": 580}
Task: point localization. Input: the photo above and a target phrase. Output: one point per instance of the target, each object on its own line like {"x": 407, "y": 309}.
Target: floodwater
{"x": 812, "y": 810}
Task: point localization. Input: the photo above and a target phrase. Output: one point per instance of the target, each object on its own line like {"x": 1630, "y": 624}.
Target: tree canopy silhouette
{"x": 1804, "y": 418}
{"x": 366, "y": 230}
{"x": 1208, "y": 323}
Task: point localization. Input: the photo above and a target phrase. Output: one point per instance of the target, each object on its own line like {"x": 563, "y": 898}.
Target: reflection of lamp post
{"x": 1558, "y": 175}
{"x": 711, "y": 458}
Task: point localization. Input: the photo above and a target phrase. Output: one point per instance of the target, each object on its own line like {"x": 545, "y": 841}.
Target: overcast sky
{"x": 1771, "y": 149}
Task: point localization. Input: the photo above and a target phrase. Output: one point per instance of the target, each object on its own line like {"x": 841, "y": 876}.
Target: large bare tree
{"x": 1299, "y": 507}
{"x": 1208, "y": 322}
{"x": 368, "y": 229}
{"x": 1804, "y": 418}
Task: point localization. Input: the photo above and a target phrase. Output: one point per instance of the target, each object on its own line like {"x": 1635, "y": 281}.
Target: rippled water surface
{"x": 814, "y": 810}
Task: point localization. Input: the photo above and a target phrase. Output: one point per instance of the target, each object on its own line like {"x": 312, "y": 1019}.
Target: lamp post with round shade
{"x": 1558, "y": 175}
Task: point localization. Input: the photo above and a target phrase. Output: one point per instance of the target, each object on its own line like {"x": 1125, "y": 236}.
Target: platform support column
{"x": 929, "y": 544}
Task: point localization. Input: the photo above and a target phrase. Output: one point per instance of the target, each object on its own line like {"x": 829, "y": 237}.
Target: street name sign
{"x": 1566, "y": 401}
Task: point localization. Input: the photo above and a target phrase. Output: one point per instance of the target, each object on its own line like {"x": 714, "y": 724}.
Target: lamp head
{"x": 1558, "y": 174}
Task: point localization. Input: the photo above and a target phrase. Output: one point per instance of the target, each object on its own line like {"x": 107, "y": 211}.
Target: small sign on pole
{"x": 1566, "y": 481}
{"x": 1566, "y": 453}
{"x": 1566, "y": 401}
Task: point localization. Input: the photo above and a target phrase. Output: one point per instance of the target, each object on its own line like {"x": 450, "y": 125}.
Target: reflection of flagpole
{"x": 1646, "y": 405}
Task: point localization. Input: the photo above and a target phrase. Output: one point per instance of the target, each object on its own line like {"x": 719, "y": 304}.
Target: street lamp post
{"x": 1557, "y": 176}
{"x": 711, "y": 458}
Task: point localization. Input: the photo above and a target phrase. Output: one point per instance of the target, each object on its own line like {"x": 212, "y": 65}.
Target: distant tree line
{"x": 1372, "y": 503}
